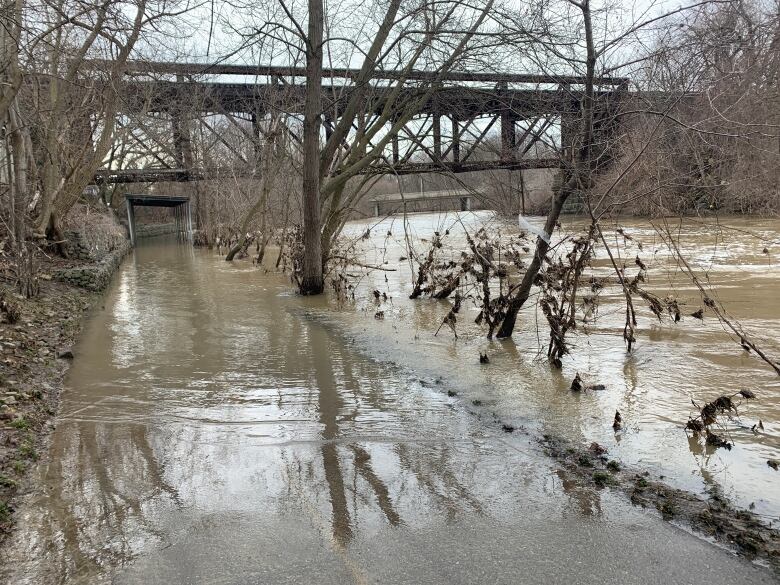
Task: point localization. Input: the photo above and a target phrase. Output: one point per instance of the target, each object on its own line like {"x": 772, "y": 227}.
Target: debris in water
{"x": 597, "y": 449}
{"x": 377, "y": 294}
{"x": 597, "y": 387}
{"x": 695, "y": 425}
{"x": 451, "y": 393}
{"x": 603, "y": 479}
{"x": 747, "y": 394}
{"x": 773, "y": 463}
{"x": 617, "y": 424}
{"x": 765, "y": 251}
{"x": 483, "y": 358}
{"x": 716, "y": 441}
{"x": 379, "y": 315}
{"x": 709, "y": 414}
{"x": 451, "y": 319}
{"x": 698, "y": 314}
{"x": 673, "y": 308}
{"x": 402, "y": 258}
{"x": 724, "y": 403}
{"x": 576, "y": 384}
{"x": 508, "y": 428}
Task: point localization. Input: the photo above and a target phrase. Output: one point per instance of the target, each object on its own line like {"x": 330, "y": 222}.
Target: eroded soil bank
{"x": 36, "y": 347}
{"x": 217, "y": 428}
{"x": 35, "y": 353}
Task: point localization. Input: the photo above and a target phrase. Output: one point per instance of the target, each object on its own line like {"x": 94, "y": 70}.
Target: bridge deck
{"x": 157, "y": 200}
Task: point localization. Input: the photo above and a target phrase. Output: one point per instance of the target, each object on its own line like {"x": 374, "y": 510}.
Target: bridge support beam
{"x": 455, "y": 141}
{"x": 508, "y": 138}
{"x": 190, "y": 235}
{"x": 437, "y": 136}
{"x": 181, "y": 136}
{"x": 131, "y": 221}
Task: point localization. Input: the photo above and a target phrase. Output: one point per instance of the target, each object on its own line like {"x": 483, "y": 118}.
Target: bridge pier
{"x": 508, "y": 138}
{"x": 455, "y": 141}
{"x": 181, "y": 135}
{"x": 508, "y": 134}
{"x": 437, "y": 136}
{"x": 131, "y": 221}
{"x": 190, "y": 233}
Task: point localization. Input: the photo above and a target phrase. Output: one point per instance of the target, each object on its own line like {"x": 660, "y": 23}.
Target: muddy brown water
{"x": 653, "y": 386}
{"x": 216, "y": 428}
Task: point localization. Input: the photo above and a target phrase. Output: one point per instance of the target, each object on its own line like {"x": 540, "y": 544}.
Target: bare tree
{"x": 311, "y": 279}
{"x": 363, "y": 114}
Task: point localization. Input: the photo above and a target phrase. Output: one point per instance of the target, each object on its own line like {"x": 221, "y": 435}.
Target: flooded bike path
{"x": 215, "y": 429}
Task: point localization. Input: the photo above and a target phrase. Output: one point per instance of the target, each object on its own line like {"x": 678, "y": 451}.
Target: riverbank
{"x": 36, "y": 347}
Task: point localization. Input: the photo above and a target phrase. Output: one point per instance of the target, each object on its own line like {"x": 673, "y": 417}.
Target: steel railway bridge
{"x": 455, "y": 130}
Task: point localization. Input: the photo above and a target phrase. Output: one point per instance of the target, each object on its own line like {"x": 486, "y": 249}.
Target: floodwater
{"x": 737, "y": 258}
{"x": 216, "y": 428}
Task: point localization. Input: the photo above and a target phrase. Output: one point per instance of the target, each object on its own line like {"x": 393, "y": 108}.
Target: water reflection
{"x": 202, "y": 392}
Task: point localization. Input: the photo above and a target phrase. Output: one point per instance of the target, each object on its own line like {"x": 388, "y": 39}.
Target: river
{"x": 217, "y": 428}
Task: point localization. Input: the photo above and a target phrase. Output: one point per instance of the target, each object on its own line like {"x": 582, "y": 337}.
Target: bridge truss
{"x": 469, "y": 122}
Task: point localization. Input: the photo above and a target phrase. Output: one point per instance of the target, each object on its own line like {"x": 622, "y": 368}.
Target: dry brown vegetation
{"x": 718, "y": 148}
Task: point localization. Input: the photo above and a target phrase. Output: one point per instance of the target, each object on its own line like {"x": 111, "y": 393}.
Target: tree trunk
{"x": 18, "y": 158}
{"x": 578, "y": 181}
{"x": 542, "y": 246}
{"x": 259, "y": 205}
{"x": 312, "y": 278}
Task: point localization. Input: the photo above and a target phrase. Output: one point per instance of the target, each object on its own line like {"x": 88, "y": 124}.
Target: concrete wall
{"x": 150, "y": 230}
